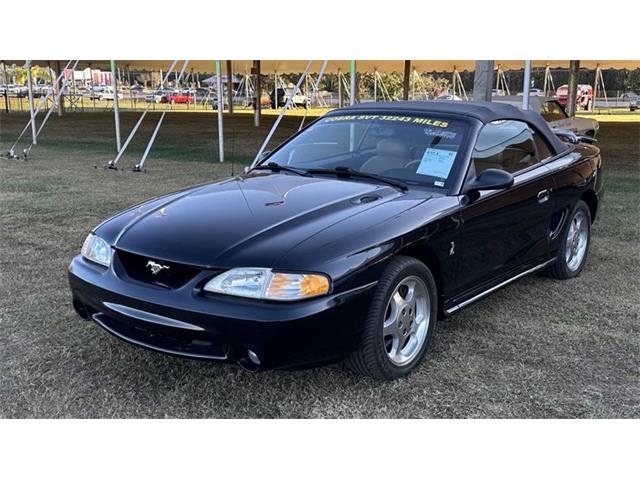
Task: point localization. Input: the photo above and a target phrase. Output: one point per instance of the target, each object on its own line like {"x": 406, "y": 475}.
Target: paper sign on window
{"x": 436, "y": 162}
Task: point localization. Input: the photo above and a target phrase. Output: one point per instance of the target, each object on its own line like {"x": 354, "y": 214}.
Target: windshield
{"x": 417, "y": 149}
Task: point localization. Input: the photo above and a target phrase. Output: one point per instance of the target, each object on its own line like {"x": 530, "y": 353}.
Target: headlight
{"x": 97, "y": 250}
{"x": 265, "y": 284}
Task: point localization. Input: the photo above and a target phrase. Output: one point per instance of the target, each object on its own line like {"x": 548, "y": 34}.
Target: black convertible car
{"x": 349, "y": 240}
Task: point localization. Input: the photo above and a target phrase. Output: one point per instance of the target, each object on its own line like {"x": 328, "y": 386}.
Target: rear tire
{"x": 400, "y": 322}
{"x": 574, "y": 248}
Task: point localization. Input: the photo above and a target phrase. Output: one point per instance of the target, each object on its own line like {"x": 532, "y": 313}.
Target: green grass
{"x": 538, "y": 348}
{"x": 182, "y": 136}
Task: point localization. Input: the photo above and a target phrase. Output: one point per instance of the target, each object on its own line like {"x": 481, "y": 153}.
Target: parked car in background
{"x": 42, "y": 90}
{"x": 178, "y": 96}
{"x": 534, "y": 92}
{"x": 449, "y": 96}
{"x": 19, "y": 91}
{"x": 498, "y": 92}
{"x": 633, "y": 99}
{"x": 159, "y": 96}
{"x": 109, "y": 95}
{"x": 555, "y": 114}
{"x": 584, "y": 96}
{"x": 282, "y": 95}
{"x": 330, "y": 248}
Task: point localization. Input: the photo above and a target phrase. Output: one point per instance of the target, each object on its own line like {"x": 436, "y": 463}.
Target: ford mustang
{"x": 348, "y": 241}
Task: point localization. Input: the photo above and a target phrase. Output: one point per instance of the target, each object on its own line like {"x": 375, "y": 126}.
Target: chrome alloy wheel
{"x": 406, "y": 320}
{"x": 577, "y": 238}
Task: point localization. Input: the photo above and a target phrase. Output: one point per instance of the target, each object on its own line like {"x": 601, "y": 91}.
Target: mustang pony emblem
{"x": 156, "y": 267}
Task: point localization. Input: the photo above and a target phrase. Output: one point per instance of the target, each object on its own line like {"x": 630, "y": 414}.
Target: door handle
{"x": 543, "y": 195}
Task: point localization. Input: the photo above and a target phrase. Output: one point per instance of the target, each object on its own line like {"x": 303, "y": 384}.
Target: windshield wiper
{"x": 276, "y": 167}
{"x": 350, "y": 172}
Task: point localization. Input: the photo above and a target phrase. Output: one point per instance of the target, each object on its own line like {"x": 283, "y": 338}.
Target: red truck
{"x": 584, "y": 98}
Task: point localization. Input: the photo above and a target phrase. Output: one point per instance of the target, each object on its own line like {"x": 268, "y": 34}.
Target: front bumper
{"x": 187, "y": 323}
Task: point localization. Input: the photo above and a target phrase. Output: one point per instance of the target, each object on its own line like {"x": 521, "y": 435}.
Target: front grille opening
{"x": 174, "y": 276}
{"x": 168, "y": 339}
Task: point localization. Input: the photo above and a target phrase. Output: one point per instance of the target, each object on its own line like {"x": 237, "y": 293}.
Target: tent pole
{"x": 527, "y": 84}
{"x": 116, "y": 109}
{"x": 340, "y": 100}
{"x": 6, "y": 88}
{"x": 257, "y": 94}
{"x": 31, "y": 112}
{"x": 220, "y": 108}
{"x": 246, "y": 88}
{"x": 405, "y": 80}
{"x": 482, "y": 80}
{"x": 413, "y": 85}
{"x": 574, "y": 71}
{"x": 140, "y": 166}
{"x": 353, "y": 72}
{"x": 44, "y": 121}
{"x": 230, "y": 85}
{"x": 284, "y": 109}
{"x": 112, "y": 163}
{"x": 375, "y": 85}
{"x": 58, "y": 86}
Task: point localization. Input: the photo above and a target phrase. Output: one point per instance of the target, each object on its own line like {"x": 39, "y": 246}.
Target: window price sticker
{"x": 436, "y": 163}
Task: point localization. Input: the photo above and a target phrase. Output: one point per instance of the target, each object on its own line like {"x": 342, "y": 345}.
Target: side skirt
{"x": 486, "y": 292}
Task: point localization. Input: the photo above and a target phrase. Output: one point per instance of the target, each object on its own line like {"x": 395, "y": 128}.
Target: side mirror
{"x": 490, "y": 179}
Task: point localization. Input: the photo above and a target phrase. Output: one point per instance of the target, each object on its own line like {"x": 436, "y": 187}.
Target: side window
{"x": 552, "y": 111}
{"x": 542, "y": 147}
{"x": 506, "y": 145}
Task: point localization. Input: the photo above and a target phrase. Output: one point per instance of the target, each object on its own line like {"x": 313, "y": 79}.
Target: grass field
{"x": 538, "y": 348}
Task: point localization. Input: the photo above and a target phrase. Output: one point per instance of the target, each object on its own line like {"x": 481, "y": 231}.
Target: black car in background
{"x": 350, "y": 240}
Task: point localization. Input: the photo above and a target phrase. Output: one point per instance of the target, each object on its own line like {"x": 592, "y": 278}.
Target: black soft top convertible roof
{"x": 485, "y": 112}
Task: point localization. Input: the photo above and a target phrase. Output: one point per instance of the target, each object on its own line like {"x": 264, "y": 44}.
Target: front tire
{"x": 400, "y": 321}
{"x": 573, "y": 251}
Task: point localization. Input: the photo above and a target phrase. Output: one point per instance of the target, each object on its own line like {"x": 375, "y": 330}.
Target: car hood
{"x": 252, "y": 220}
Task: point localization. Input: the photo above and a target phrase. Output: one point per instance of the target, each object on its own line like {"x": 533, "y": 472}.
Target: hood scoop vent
{"x": 365, "y": 199}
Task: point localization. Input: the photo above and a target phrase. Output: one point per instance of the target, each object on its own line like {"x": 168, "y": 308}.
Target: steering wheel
{"x": 412, "y": 162}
